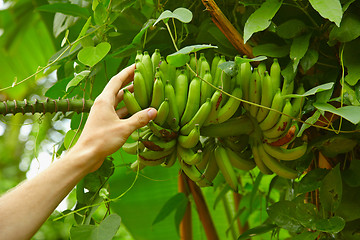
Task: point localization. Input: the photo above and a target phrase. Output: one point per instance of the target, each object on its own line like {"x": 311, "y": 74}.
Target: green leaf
{"x": 229, "y": 67}
{"x": 77, "y": 79}
{"x": 240, "y": 60}
{"x": 330, "y": 9}
{"x": 298, "y": 48}
{"x": 181, "y": 57}
{"x": 271, "y": 50}
{"x": 164, "y": 15}
{"x": 308, "y": 122}
{"x": 331, "y": 225}
{"x": 311, "y": 181}
{"x": 65, "y": 8}
{"x": 309, "y": 60}
{"x": 137, "y": 39}
{"x": 172, "y": 204}
{"x": 352, "y": 61}
{"x": 350, "y": 113}
{"x": 92, "y": 55}
{"x": 182, "y": 14}
{"x": 261, "y": 18}
{"x": 282, "y": 213}
{"x": 71, "y": 138}
{"x": 331, "y": 190}
{"x": 291, "y": 28}
{"x": 180, "y": 212}
{"x": 306, "y": 236}
{"x": 313, "y": 91}
{"x": 351, "y": 175}
{"x": 82, "y": 33}
{"x": 257, "y": 231}
{"x": 349, "y": 29}
{"x": 100, "y": 14}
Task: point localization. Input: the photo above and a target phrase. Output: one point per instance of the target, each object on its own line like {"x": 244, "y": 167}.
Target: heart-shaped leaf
{"x": 182, "y": 14}
{"x": 92, "y": 55}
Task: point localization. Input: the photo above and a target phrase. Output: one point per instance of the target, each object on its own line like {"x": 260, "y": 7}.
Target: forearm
{"x": 24, "y": 209}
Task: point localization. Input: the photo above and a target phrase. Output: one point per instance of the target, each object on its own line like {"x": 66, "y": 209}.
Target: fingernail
{"x": 152, "y": 113}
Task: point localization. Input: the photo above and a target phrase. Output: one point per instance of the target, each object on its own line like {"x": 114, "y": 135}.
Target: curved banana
{"x": 191, "y": 140}
{"x": 158, "y": 93}
{"x": 245, "y": 75}
{"x": 139, "y": 55}
{"x": 133, "y": 147}
{"x": 162, "y": 113}
{"x": 140, "y": 133}
{"x": 255, "y": 91}
{"x": 285, "y": 153}
{"x": 164, "y": 68}
{"x": 275, "y": 165}
{"x": 139, "y": 65}
{"x": 218, "y": 72}
{"x": 155, "y": 59}
{"x": 181, "y": 91}
{"x": 199, "y": 118}
{"x": 239, "y": 162}
{"x": 224, "y": 164}
{"x": 206, "y": 89}
{"x": 232, "y": 127}
{"x": 149, "y": 155}
{"x": 150, "y": 162}
{"x": 285, "y": 139}
{"x": 214, "y": 64}
{"x": 193, "y": 101}
{"x": 146, "y": 60}
{"x": 210, "y": 172}
{"x": 161, "y": 132}
{"x": 191, "y": 171}
{"x": 258, "y": 158}
{"x": 130, "y": 102}
{"x": 215, "y": 107}
{"x": 230, "y": 107}
{"x": 273, "y": 117}
{"x": 267, "y": 95}
{"x": 226, "y": 86}
{"x": 207, "y": 152}
{"x": 140, "y": 91}
{"x": 170, "y": 160}
{"x": 189, "y": 156}
{"x": 204, "y": 66}
{"x": 193, "y": 65}
{"x": 275, "y": 75}
{"x": 173, "y": 116}
{"x": 298, "y": 103}
{"x": 158, "y": 144}
{"x": 137, "y": 166}
{"x": 283, "y": 125}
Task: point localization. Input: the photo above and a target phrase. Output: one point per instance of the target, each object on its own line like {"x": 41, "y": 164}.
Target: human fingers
{"x": 122, "y": 112}
{"x": 120, "y": 94}
{"x": 119, "y": 80}
{"x": 139, "y": 119}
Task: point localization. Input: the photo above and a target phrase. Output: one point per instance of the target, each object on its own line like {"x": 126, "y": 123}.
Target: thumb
{"x": 141, "y": 118}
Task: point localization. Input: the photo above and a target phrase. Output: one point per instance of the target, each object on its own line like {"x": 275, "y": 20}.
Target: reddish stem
{"x": 186, "y": 223}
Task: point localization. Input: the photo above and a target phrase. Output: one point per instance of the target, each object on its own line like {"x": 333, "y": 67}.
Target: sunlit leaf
{"x": 181, "y": 57}
{"x": 313, "y": 91}
{"x": 350, "y": 113}
{"x": 182, "y": 14}
{"x": 65, "y": 8}
{"x": 92, "y": 55}
{"x": 330, "y": 9}
{"x": 77, "y": 79}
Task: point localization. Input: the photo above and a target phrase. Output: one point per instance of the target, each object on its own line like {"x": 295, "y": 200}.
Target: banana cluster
{"x": 186, "y": 102}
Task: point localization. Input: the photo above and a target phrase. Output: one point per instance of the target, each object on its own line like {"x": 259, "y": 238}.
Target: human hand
{"x": 105, "y": 130}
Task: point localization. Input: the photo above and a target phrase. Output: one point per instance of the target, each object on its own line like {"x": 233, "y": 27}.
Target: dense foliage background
{"x": 316, "y": 42}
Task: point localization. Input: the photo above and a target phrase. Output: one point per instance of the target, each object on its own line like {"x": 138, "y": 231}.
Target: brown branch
{"x": 186, "y": 222}
{"x": 237, "y": 199}
{"x": 227, "y": 28}
{"x": 203, "y": 211}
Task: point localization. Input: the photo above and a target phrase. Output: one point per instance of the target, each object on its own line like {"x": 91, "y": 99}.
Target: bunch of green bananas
{"x": 186, "y": 103}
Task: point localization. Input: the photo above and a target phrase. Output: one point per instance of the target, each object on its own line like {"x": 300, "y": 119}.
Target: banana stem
{"x": 186, "y": 223}
{"x": 232, "y": 127}
{"x": 203, "y": 211}
{"x": 237, "y": 199}
{"x": 45, "y": 106}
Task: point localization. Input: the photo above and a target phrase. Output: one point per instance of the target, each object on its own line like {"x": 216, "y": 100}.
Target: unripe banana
{"x": 285, "y": 139}
{"x": 210, "y": 172}
{"x": 283, "y": 125}
{"x": 238, "y": 75}
{"x": 150, "y": 162}
{"x": 193, "y": 101}
{"x": 214, "y": 64}
{"x": 146, "y": 75}
{"x": 191, "y": 171}
{"x": 172, "y": 73}
{"x": 133, "y": 147}
{"x": 258, "y": 158}
{"x": 130, "y": 102}
{"x": 158, "y": 144}
{"x": 140, "y": 133}
{"x": 276, "y": 166}
{"x": 193, "y": 65}
{"x": 239, "y": 162}
{"x": 206, "y": 89}
{"x": 199, "y": 118}
{"x": 245, "y": 75}
{"x": 170, "y": 160}
{"x": 267, "y": 95}
{"x": 188, "y": 155}
{"x": 159, "y": 74}
{"x": 191, "y": 140}
{"x": 255, "y": 91}
{"x": 275, "y": 75}
{"x": 273, "y": 116}
{"x": 140, "y": 91}
{"x": 173, "y": 117}
{"x": 236, "y": 143}
{"x": 217, "y": 79}
{"x": 161, "y": 132}
{"x": 204, "y": 66}
{"x": 284, "y": 153}
{"x": 224, "y": 164}
{"x": 164, "y": 68}
{"x": 149, "y": 155}
{"x": 230, "y": 107}
{"x": 158, "y": 94}
{"x": 232, "y": 127}
{"x": 261, "y": 68}
{"x": 155, "y": 59}
{"x": 162, "y": 113}
{"x": 215, "y": 107}
{"x": 208, "y": 150}
{"x": 139, "y": 55}
{"x": 146, "y": 60}
{"x": 298, "y": 103}
{"x": 181, "y": 91}
{"x": 226, "y": 86}
{"x": 137, "y": 166}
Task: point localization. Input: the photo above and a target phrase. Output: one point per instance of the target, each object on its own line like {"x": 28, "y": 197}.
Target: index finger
{"x": 120, "y": 80}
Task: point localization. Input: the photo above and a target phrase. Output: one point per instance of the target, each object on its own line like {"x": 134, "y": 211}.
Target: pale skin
{"x": 26, "y": 207}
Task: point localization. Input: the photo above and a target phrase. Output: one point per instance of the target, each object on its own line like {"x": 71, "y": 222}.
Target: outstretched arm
{"x": 25, "y": 208}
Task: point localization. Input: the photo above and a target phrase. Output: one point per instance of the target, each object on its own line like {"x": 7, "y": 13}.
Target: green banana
{"x": 217, "y": 79}
{"x": 273, "y": 117}
{"x": 191, "y": 171}
{"x": 275, "y": 75}
{"x": 155, "y": 59}
{"x": 232, "y": 127}
{"x": 276, "y": 166}
{"x": 226, "y": 86}
{"x": 173, "y": 116}
{"x": 158, "y": 93}
{"x": 189, "y": 156}
{"x": 283, "y": 125}
{"x": 181, "y": 91}
{"x": 245, "y": 75}
{"x": 164, "y": 68}
{"x": 199, "y": 118}
{"x": 140, "y": 91}
{"x": 149, "y": 155}
{"x": 224, "y": 164}
{"x": 261, "y": 68}
{"x": 133, "y": 147}
{"x": 215, "y": 107}
{"x": 214, "y": 64}
{"x": 193, "y": 101}
{"x": 162, "y": 113}
{"x": 193, "y": 66}
{"x": 170, "y": 160}
{"x": 139, "y": 55}
{"x": 230, "y": 107}
{"x": 286, "y": 138}
{"x": 146, "y": 60}
{"x": 130, "y": 102}
{"x": 239, "y": 162}
{"x": 191, "y": 140}
{"x": 150, "y": 162}
{"x": 206, "y": 89}
{"x": 207, "y": 152}
{"x": 140, "y": 133}
{"x": 210, "y": 172}
{"x": 267, "y": 95}
{"x": 159, "y": 74}
{"x": 285, "y": 153}
{"x": 161, "y": 132}
{"x": 298, "y": 103}
{"x": 158, "y": 144}
{"x": 204, "y": 66}
{"x": 236, "y": 143}
{"x": 172, "y": 73}
{"x": 146, "y": 75}
{"x": 258, "y": 158}
{"x": 137, "y": 166}
{"x": 255, "y": 91}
